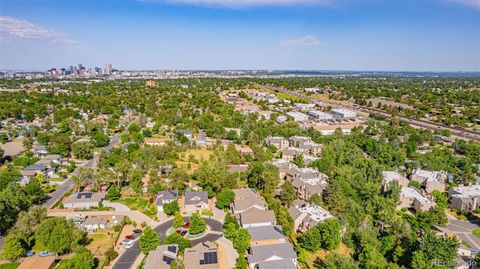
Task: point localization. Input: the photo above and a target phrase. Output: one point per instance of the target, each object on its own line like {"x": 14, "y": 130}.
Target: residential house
{"x": 277, "y": 141}
{"x": 391, "y": 176}
{"x": 430, "y": 180}
{"x": 306, "y": 216}
{"x": 84, "y": 200}
{"x": 156, "y": 141}
{"x": 237, "y": 168}
{"x": 291, "y": 153}
{"x": 255, "y": 217}
{"x": 465, "y": 198}
{"x": 266, "y": 235}
{"x": 187, "y": 133}
{"x": 38, "y": 262}
{"x": 162, "y": 257}
{"x": 244, "y": 150}
{"x": 272, "y": 257}
{"x": 40, "y": 151}
{"x": 283, "y": 167}
{"x": 411, "y": 198}
{"x": 311, "y": 148}
{"x": 296, "y": 140}
{"x": 31, "y": 171}
{"x": 196, "y": 200}
{"x": 201, "y": 256}
{"x": 246, "y": 199}
{"x": 91, "y": 225}
{"x": 164, "y": 197}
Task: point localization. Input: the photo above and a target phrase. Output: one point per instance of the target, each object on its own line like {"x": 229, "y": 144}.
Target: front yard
{"x": 139, "y": 204}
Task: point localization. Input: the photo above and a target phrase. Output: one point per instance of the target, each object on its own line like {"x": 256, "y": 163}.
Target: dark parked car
{"x": 137, "y": 231}
{"x": 184, "y": 232}
{"x": 131, "y": 237}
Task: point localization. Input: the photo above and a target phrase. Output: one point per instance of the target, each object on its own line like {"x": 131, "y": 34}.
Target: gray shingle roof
{"x": 265, "y": 233}
{"x": 277, "y": 264}
{"x": 265, "y": 252}
{"x": 195, "y": 197}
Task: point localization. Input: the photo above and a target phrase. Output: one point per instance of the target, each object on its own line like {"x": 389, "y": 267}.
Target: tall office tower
{"x": 108, "y": 69}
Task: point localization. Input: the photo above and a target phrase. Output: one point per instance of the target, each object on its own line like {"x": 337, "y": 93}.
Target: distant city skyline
{"x": 424, "y": 35}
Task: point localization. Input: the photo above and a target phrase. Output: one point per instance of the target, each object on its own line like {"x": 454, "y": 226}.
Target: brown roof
{"x": 255, "y": 215}
{"x": 38, "y": 262}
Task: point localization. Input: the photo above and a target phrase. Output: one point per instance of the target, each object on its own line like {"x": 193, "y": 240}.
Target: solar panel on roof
{"x": 209, "y": 258}
{"x": 167, "y": 260}
{"x": 172, "y": 249}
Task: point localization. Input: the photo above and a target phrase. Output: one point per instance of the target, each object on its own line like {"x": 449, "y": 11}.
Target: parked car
{"x": 129, "y": 244}
{"x": 137, "y": 231}
{"x": 29, "y": 253}
{"x": 184, "y": 232}
{"x": 45, "y": 253}
{"x": 186, "y": 225}
{"x": 130, "y": 237}
{"x": 178, "y": 231}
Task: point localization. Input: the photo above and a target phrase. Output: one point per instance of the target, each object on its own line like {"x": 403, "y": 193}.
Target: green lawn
{"x": 476, "y": 232}
{"x": 139, "y": 204}
{"x": 134, "y": 203}
{"x": 13, "y": 265}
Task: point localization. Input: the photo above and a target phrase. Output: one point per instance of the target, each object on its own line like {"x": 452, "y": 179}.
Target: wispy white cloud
{"x": 13, "y": 29}
{"x": 243, "y": 3}
{"x": 470, "y": 3}
{"x": 306, "y": 40}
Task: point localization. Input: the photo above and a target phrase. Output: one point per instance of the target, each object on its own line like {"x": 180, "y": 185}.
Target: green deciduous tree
{"x": 288, "y": 193}
{"x": 13, "y": 247}
{"x": 197, "y": 224}
{"x": 224, "y": 198}
{"x": 149, "y": 240}
{"x": 58, "y": 235}
{"x": 171, "y": 208}
{"x": 177, "y": 220}
{"x": 175, "y": 238}
{"x": 83, "y": 259}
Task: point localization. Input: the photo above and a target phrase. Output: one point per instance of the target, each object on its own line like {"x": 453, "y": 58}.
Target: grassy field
{"x": 190, "y": 159}
{"x": 101, "y": 241}
{"x": 476, "y": 232}
{"x": 321, "y": 254}
{"x": 134, "y": 203}
{"x": 12, "y": 265}
{"x": 291, "y": 98}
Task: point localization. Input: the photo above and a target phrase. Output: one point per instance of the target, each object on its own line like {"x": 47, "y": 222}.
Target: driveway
{"x": 127, "y": 259}
{"x": 463, "y": 230}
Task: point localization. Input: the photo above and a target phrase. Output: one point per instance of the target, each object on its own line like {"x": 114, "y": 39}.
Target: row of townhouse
{"x": 305, "y": 144}
{"x": 269, "y": 247}
{"x": 409, "y": 197}
{"x": 47, "y": 166}
{"x": 306, "y": 216}
{"x": 307, "y": 181}
{"x": 463, "y": 198}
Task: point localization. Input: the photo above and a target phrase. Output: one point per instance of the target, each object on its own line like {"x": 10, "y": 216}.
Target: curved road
{"x": 127, "y": 259}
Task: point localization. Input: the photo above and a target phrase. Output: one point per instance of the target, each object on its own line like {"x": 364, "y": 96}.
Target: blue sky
{"x": 402, "y": 35}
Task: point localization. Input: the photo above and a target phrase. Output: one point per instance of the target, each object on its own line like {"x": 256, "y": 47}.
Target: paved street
{"x": 464, "y": 230}
{"x": 127, "y": 259}
{"x": 55, "y": 196}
